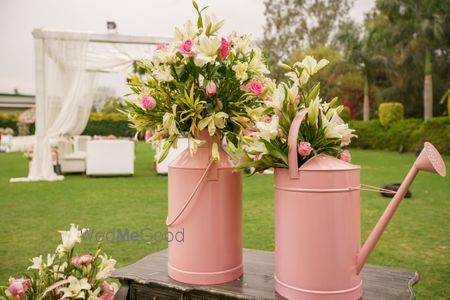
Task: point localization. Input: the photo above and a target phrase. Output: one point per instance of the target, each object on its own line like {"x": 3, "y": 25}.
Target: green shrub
{"x": 409, "y": 133}
{"x": 107, "y": 124}
{"x": 345, "y": 114}
{"x": 390, "y": 112}
{"x": 8, "y": 121}
{"x": 437, "y": 132}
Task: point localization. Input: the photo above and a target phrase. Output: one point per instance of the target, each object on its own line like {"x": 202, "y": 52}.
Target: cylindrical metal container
{"x": 317, "y": 230}
{"x": 205, "y": 204}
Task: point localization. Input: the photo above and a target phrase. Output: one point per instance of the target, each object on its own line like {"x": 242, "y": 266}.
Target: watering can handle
{"x": 292, "y": 142}
{"x": 199, "y": 183}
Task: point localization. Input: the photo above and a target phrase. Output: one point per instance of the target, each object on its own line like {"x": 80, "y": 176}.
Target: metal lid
{"x": 323, "y": 162}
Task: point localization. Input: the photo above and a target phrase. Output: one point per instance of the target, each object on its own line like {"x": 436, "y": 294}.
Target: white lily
{"x": 257, "y": 65}
{"x": 268, "y": 130}
{"x": 313, "y": 111}
{"x": 106, "y": 267}
{"x": 194, "y": 144}
{"x": 336, "y": 127}
{"x": 311, "y": 66}
{"x": 212, "y": 24}
{"x": 215, "y": 152}
{"x": 38, "y": 264}
{"x": 169, "y": 123}
{"x": 278, "y": 97}
{"x": 240, "y": 69}
{"x": 75, "y": 288}
{"x": 206, "y": 48}
{"x": 162, "y": 73}
{"x": 165, "y": 55}
{"x": 243, "y": 44}
{"x": 69, "y": 239}
{"x": 213, "y": 121}
{"x": 186, "y": 32}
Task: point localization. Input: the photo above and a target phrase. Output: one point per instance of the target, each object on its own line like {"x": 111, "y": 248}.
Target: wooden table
{"x": 147, "y": 279}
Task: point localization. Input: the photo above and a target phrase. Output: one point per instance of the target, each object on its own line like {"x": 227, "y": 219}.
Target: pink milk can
{"x": 317, "y": 223}
{"x": 205, "y": 203}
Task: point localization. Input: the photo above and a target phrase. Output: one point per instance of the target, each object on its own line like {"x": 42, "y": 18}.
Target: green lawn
{"x": 32, "y": 213}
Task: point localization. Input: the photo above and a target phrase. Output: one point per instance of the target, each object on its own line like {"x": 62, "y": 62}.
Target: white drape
{"x": 66, "y": 67}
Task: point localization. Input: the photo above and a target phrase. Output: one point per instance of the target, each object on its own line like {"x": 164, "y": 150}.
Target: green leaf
{"x": 313, "y": 94}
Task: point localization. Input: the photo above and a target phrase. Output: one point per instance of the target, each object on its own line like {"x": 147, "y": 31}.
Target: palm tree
{"x": 418, "y": 24}
{"x": 363, "y": 56}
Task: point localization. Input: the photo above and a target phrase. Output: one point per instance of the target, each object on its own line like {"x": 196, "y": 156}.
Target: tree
{"x": 300, "y": 24}
{"x": 362, "y": 55}
{"x": 419, "y": 25}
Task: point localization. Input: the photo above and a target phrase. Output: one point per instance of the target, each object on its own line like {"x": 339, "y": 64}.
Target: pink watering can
{"x": 205, "y": 205}
{"x": 318, "y": 254}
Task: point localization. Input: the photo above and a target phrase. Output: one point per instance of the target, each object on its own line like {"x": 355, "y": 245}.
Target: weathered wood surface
{"x": 148, "y": 279}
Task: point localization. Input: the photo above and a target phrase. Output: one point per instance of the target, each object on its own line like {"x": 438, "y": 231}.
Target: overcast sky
{"x": 155, "y": 17}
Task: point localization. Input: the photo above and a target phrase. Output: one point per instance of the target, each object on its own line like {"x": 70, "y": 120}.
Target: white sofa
{"x": 163, "y": 167}
{"x": 110, "y": 157}
{"x": 72, "y": 156}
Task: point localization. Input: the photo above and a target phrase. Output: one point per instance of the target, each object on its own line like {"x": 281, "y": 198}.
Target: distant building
{"x": 15, "y": 103}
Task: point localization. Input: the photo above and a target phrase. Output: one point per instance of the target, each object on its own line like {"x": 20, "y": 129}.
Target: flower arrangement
{"x": 64, "y": 275}
{"x": 265, "y": 145}
{"x": 200, "y": 81}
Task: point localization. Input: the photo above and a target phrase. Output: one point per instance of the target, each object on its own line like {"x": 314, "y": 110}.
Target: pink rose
{"x": 346, "y": 156}
{"x": 186, "y": 48}
{"x": 18, "y": 287}
{"x": 162, "y": 46}
{"x": 148, "y": 102}
{"x": 304, "y": 148}
{"x": 267, "y": 119}
{"x": 211, "y": 88}
{"x": 148, "y": 135}
{"x": 248, "y": 131}
{"x": 82, "y": 260}
{"x": 224, "y": 48}
{"x": 255, "y": 87}
{"x": 109, "y": 293}
{"x": 75, "y": 260}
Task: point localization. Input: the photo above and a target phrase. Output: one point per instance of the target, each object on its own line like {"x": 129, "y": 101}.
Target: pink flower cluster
{"x": 186, "y": 48}
{"x": 346, "y": 156}
{"x": 255, "y": 87}
{"x": 304, "y": 149}
{"x": 148, "y": 102}
{"x": 224, "y": 48}
{"x": 18, "y": 287}
{"x": 82, "y": 260}
{"x": 211, "y": 88}
{"x": 108, "y": 292}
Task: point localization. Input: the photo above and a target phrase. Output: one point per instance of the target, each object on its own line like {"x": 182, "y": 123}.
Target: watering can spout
{"x": 429, "y": 160}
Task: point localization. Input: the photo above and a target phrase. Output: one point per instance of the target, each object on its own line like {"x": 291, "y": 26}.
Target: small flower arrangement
{"x": 200, "y": 81}
{"x": 64, "y": 275}
{"x": 323, "y": 131}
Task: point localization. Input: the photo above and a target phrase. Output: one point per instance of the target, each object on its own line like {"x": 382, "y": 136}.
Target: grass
{"x": 32, "y": 213}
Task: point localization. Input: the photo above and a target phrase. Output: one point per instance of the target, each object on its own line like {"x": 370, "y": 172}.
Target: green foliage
{"x": 390, "y": 112}
{"x": 437, "y": 132}
{"x": 409, "y": 133}
{"x": 292, "y": 25}
{"x": 345, "y": 114}
{"x": 109, "y": 124}
{"x": 8, "y": 121}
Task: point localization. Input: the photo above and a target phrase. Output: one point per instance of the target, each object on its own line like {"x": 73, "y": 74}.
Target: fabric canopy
{"x": 66, "y": 68}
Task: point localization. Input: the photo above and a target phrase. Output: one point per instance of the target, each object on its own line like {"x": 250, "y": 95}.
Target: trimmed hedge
{"x": 409, "y": 133}
{"x": 390, "y": 112}
{"x": 8, "y": 120}
{"x": 107, "y": 124}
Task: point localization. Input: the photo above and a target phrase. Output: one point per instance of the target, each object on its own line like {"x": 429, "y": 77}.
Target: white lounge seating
{"x": 72, "y": 157}
{"x": 110, "y": 157}
{"x": 163, "y": 167}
